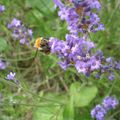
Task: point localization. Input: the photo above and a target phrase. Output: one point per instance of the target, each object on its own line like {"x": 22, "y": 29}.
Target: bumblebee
{"x": 42, "y": 45}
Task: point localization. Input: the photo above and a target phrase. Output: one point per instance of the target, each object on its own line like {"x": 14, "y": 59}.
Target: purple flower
{"x": 64, "y": 64}
{"x": 72, "y": 15}
{"x": 110, "y": 103}
{"x": 11, "y": 76}
{"x": 98, "y": 112}
{"x": 80, "y": 17}
{"x": 3, "y": 65}
{"x": 98, "y": 75}
{"x": 91, "y": 4}
{"x": 57, "y": 46}
{"x": 100, "y": 27}
{"x": 20, "y": 32}
{"x": 111, "y": 77}
{"x": 63, "y": 13}
{"x": 109, "y": 60}
{"x": 95, "y": 4}
{"x": 23, "y": 41}
{"x": 95, "y": 24}
{"x": 118, "y": 66}
{"x": 2, "y": 8}
{"x": 58, "y": 3}
{"x": 94, "y": 18}
{"x": 80, "y": 66}
{"x": 77, "y": 51}
{"x": 15, "y": 23}
{"x": 30, "y": 32}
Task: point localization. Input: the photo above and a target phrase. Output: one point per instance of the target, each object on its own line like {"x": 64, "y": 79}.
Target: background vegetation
{"x": 46, "y": 91}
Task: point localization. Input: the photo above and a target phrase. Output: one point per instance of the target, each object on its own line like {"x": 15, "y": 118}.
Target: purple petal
{"x": 58, "y": 3}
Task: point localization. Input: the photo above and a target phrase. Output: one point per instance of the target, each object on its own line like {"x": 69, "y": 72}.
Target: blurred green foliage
{"x": 46, "y": 91}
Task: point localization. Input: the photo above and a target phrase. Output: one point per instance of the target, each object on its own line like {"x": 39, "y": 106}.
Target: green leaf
{"x": 68, "y": 113}
{"x": 48, "y": 112}
{"x": 82, "y": 95}
{"x": 3, "y": 44}
{"x": 82, "y": 114}
{"x": 49, "y": 108}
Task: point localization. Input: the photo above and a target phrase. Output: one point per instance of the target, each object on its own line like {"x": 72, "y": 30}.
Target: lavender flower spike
{"x": 110, "y": 103}
{"x": 2, "y": 65}
{"x": 11, "y": 76}
{"x": 58, "y": 3}
{"x": 20, "y": 32}
{"x": 81, "y": 17}
{"x": 98, "y": 112}
{"x": 2, "y": 8}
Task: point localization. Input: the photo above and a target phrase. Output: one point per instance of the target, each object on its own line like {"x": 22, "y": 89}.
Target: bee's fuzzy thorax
{"x": 38, "y": 42}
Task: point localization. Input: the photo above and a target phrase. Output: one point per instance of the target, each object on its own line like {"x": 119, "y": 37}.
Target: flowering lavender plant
{"x": 20, "y": 32}
{"x": 77, "y": 49}
{"x": 100, "y": 111}
{"x": 79, "y": 16}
